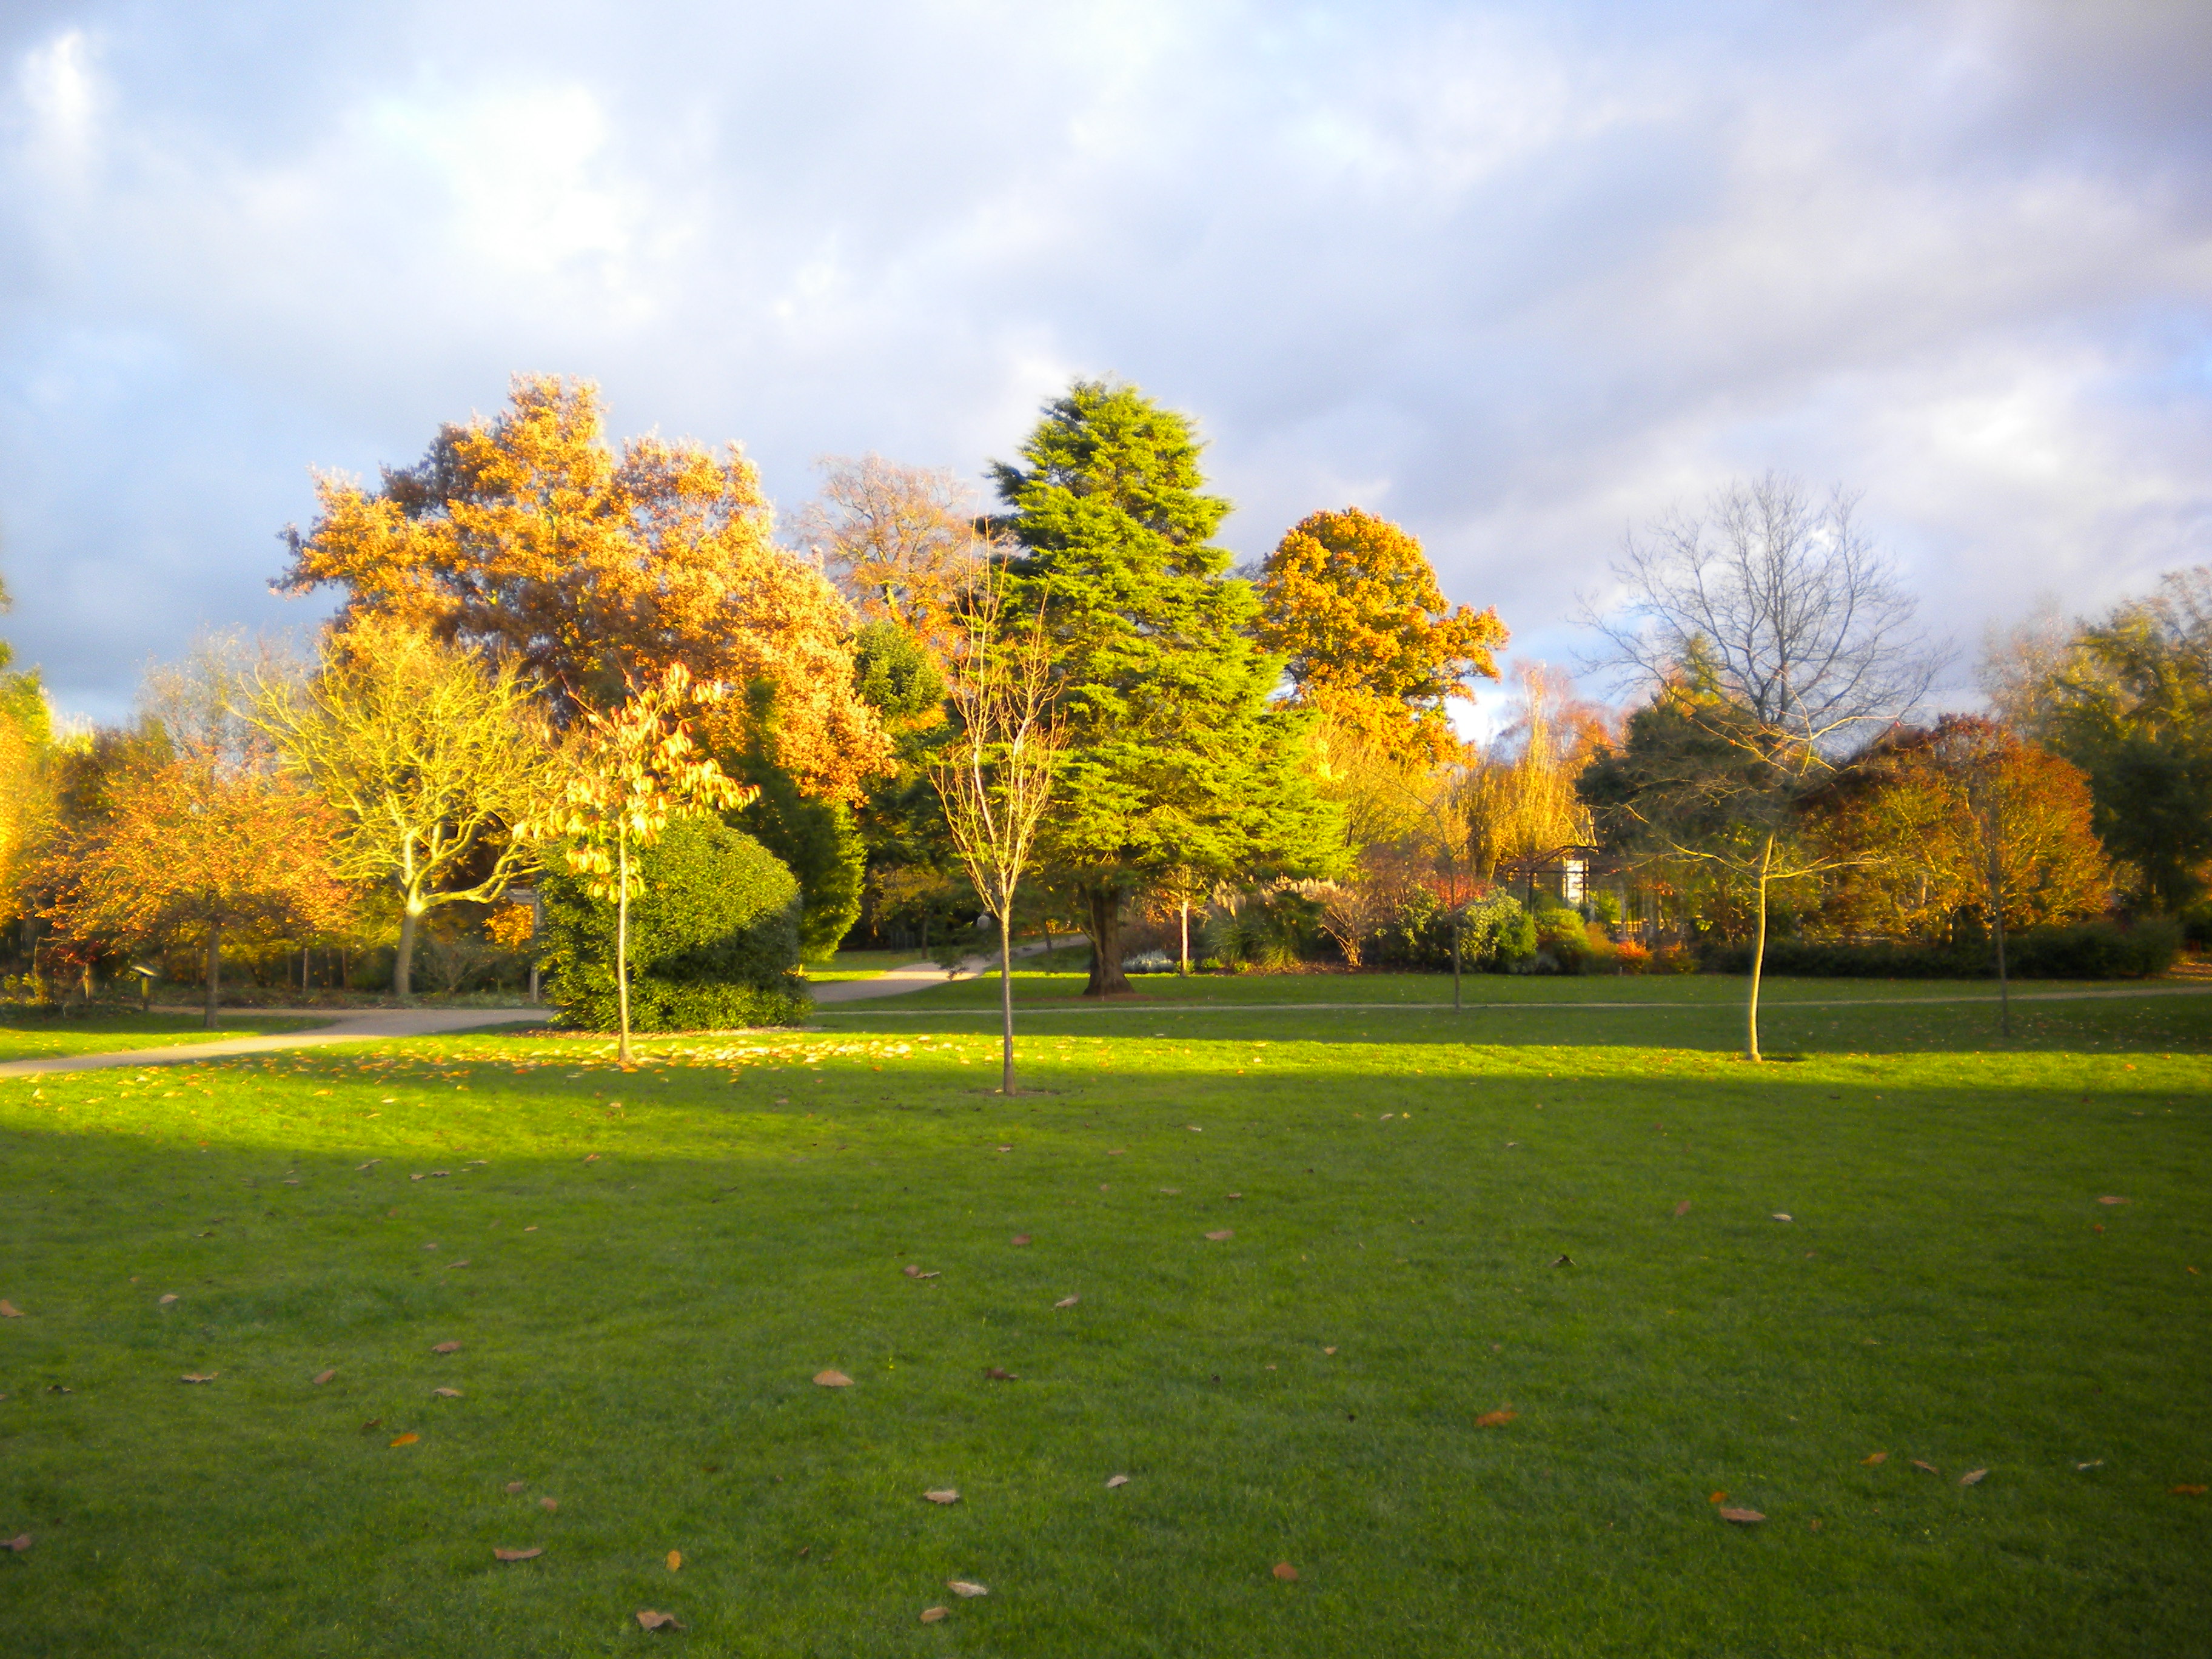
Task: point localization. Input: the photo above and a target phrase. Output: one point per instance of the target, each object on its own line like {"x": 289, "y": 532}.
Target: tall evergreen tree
{"x": 1177, "y": 759}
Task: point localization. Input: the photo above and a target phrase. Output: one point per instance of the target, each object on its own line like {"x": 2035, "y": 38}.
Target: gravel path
{"x": 350, "y": 1026}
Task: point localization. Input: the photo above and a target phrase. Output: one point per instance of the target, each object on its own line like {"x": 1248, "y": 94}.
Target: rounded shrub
{"x": 714, "y": 937}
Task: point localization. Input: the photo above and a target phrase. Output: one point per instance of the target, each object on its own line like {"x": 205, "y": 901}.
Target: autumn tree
{"x": 188, "y": 844}
{"x": 1522, "y": 800}
{"x": 1176, "y": 758}
{"x": 623, "y": 775}
{"x": 430, "y": 753}
{"x": 26, "y": 743}
{"x": 1775, "y": 638}
{"x": 995, "y": 775}
{"x": 902, "y": 543}
{"x": 593, "y": 567}
{"x": 1351, "y": 603}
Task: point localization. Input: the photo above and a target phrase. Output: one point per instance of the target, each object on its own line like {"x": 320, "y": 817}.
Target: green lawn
{"x": 29, "y": 1036}
{"x": 1475, "y": 1213}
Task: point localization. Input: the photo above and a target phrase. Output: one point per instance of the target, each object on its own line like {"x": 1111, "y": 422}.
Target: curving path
{"x": 347, "y": 1025}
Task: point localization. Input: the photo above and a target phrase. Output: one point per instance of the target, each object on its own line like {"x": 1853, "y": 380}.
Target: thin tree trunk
{"x": 1183, "y": 965}
{"x": 1758, "y": 955}
{"x": 1106, "y": 979}
{"x": 622, "y": 946}
{"x": 214, "y": 972}
{"x": 1455, "y": 1008}
{"x": 402, "y": 965}
{"x": 536, "y": 926}
{"x": 1006, "y": 999}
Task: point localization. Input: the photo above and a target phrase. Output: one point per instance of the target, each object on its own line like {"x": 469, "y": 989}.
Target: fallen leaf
{"x": 654, "y": 1620}
{"x": 931, "y": 1615}
{"x": 963, "y": 1587}
{"x": 2111, "y": 1201}
{"x": 911, "y": 1270}
{"x": 551, "y": 1505}
{"x": 996, "y": 1374}
{"x": 2189, "y": 1492}
{"x": 1067, "y": 1301}
{"x": 530, "y": 1554}
{"x": 1875, "y": 1458}
{"x": 1497, "y": 1419}
{"x": 1683, "y": 1208}
{"x": 1814, "y": 1525}
{"x": 516, "y": 1488}
{"x": 1021, "y": 1239}
{"x": 1717, "y": 1497}
{"x": 446, "y": 1394}
{"x": 1780, "y": 1215}
{"x": 1232, "y": 1194}
{"x": 373, "y": 1423}
{"x": 833, "y": 1379}
{"x": 446, "y": 1347}
{"x": 1972, "y": 1477}
{"x": 1193, "y": 1128}
{"x": 450, "y": 1265}
{"x": 1171, "y": 1192}
{"x": 1742, "y": 1518}
{"x": 407, "y": 1439}
{"x": 19, "y": 1543}
{"x": 675, "y": 1559}
{"x": 198, "y": 1377}
{"x": 1563, "y": 1262}
{"x": 166, "y": 1300}
{"x": 2093, "y": 1463}
{"x": 1226, "y": 1232}
{"x": 1286, "y": 1572}
{"x": 1005, "y": 1149}
{"x": 943, "y": 1495}
{"x": 325, "y": 1376}
{"x": 1114, "y": 1480}
{"x": 1328, "y": 1351}
{"x": 1927, "y": 1467}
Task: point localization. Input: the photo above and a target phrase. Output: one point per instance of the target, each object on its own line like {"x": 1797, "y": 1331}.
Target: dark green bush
{"x": 713, "y": 937}
{"x": 2093, "y": 950}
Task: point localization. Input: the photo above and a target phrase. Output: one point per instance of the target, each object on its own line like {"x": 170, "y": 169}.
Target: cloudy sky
{"x": 1519, "y": 276}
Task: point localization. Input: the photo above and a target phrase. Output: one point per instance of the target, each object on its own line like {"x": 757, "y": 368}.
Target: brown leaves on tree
{"x": 1497, "y": 1419}
{"x": 1742, "y": 1518}
{"x": 446, "y": 1347}
{"x": 651, "y": 1619}
{"x": 943, "y": 1495}
{"x": 1287, "y": 1573}
{"x": 530, "y": 1554}
{"x": 832, "y": 1380}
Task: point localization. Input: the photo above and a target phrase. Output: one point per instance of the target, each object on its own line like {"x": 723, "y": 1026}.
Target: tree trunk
{"x": 1758, "y": 955}
{"x": 622, "y": 946}
{"x": 402, "y": 965}
{"x": 214, "y": 972}
{"x": 1456, "y": 927}
{"x": 1006, "y": 1003}
{"x": 1183, "y": 965}
{"x": 1103, "y": 905}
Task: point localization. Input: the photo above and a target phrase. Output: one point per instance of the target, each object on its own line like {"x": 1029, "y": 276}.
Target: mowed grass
{"x": 30, "y": 1035}
{"x": 1476, "y": 1214}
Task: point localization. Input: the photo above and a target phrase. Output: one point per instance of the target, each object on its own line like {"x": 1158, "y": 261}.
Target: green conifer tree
{"x": 1176, "y": 758}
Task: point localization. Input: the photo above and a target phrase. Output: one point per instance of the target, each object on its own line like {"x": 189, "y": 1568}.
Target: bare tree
{"x": 995, "y": 776}
{"x": 899, "y": 542}
{"x": 1776, "y": 638}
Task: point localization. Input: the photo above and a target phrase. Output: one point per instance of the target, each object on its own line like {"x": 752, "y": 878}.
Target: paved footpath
{"x": 915, "y": 976}
{"x": 348, "y": 1025}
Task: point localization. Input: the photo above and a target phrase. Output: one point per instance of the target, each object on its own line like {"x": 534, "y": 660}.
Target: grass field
{"x": 1564, "y": 1211}
{"x": 29, "y": 1036}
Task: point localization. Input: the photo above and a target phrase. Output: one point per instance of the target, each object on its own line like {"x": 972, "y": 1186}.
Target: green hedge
{"x": 2094, "y": 950}
{"x": 713, "y": 937}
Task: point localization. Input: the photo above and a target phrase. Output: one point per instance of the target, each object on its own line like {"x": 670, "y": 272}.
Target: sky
{"x": 1522, "y": 277}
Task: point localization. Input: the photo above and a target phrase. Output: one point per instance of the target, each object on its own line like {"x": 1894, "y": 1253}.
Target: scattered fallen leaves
{"x": 998, "y": 1374}
{"x": 1742, "y": 1518}
{"x": 1497, "y": 1419}
{"x": 199, "y": 1376}
{"x": 164, "y": 1301}
{"x": 2189, "y": 1492}
{"x": 2111, "y": 1201}
{"x": 833, "y": 1379}
{"x": 9, "y": 1310}
{"x": 943, "y": 1495}
{"x": 19, "y": 1543}
{"x": 1928, "y": 1468}
{"x": 551, "y": 1505}
{"x": 1114, "y": 1480}
{"x": 530, "y": 1554}
{"x": 516, "y": 1488}
{"x": 1683, "y": 1208}
{"x": 1021, "y": 1239}
{"x": 653, "y": 1620}
{"x": 931, "y": 1615}
{"x": 1875, "y": 1458}
{"x": 407, "y": 1439}
{"x": 1286, "y": 1572}
{"x": 1067, "y": 1301}
{"x": 322, "y": 1377}
{"x": 446, "y": 1347}
{"x": 963, "y": 1587}
{"x": 1717, "y": 1497}
{"x": 913, "y": 1270}
{"x": 446, "y": 1394}
{"x": 1226, "y": 1232}
{"x": 675, "y": 1559}
{"x": 1328, "y": 1351}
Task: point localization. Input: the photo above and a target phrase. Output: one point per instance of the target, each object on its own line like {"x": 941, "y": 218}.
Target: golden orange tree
{"x": 1351, "y": 604}
{"x": 593, "y": 566}
{"x": 623, "y": 774}
{"x": 187, "y": 844}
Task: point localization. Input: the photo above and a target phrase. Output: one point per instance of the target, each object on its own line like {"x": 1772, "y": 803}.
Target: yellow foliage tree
{"x": 593, "y": 567}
